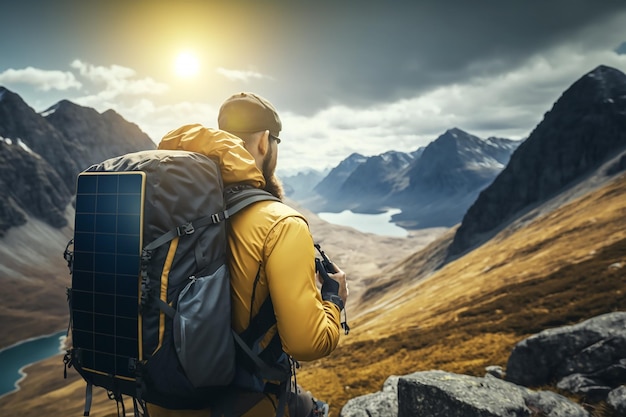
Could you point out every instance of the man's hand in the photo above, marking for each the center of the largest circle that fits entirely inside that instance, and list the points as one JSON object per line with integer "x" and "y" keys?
{"x": 340, "y": 277}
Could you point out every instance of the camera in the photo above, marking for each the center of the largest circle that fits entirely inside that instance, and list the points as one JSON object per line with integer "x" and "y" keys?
{"x": 324, "y": 264}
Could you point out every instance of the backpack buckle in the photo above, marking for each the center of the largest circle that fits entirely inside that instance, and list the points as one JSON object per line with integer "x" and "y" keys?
{"x": 185, "y": 229}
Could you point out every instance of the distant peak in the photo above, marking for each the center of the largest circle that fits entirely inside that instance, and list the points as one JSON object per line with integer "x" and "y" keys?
{"x": 603, "y": 69}
{"x": 456, "y": 134}
{"x": 456, "y": 131}
{"x": 6, "y": 94}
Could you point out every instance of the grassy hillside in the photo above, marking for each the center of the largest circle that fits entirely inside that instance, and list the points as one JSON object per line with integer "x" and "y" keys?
{"x": 564, "y": 267}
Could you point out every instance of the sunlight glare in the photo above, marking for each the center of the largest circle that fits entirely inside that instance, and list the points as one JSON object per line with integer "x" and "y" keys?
{"x": 186, "y": 64}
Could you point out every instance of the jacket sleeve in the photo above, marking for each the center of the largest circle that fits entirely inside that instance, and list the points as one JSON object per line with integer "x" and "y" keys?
{"x": 309, "y": 327}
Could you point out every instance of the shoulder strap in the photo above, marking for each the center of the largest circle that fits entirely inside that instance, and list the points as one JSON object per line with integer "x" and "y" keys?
{"x": 236, "y": 201}
{"x": 239, "y": 198}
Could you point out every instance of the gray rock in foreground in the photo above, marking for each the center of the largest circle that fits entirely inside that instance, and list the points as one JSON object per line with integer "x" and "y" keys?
{"x": 380, "y": 404}
{"x": 586, "y": 358}
{"x": 439, "y": 394}
{"x": 444, "y": 394}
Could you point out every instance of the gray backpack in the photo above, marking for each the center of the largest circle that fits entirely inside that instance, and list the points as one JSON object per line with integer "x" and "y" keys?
{"x": 150, "y": 296}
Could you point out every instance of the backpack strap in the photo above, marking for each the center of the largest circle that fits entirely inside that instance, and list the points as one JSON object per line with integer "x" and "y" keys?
{"x": 237, "y": 198}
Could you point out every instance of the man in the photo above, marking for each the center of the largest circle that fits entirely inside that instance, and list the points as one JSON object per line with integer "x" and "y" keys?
{"x": 271, "y": 260}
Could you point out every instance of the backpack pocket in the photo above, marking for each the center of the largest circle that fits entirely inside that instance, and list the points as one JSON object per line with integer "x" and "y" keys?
{"x": 202, "y": 330}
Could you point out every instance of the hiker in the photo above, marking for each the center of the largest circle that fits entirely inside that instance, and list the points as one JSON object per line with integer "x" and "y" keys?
{"x": 271, "y": 254}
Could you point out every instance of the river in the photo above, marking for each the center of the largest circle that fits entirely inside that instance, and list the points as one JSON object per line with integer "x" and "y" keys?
{"x": 14, "y": 358}
{"x": 379, "y": 224}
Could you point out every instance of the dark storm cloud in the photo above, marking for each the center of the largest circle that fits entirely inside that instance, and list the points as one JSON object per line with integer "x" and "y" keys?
{"x": 388, "y": 50}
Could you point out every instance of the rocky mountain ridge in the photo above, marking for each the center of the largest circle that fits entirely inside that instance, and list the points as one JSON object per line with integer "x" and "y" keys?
{"x": 41, "y": 154}
{"x": 584, "y": 128}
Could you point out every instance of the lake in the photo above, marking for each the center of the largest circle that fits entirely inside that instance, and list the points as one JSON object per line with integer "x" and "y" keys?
{"x": 14, "y": 358}
{"x": 379, "y": 224}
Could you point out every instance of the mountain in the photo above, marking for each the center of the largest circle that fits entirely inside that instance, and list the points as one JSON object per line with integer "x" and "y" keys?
{"x": 95, "y": 136}
{"x": 41, "y": 155}
{"x": 365, "y": 185}
{"x": 457, "y": 161}
{"x": 433, "y": 186}
{"x": 20, "y": 121}
{"x": 29, "y": 186}
{"x": 330, "y": 185}
{"x": 300, "y": 186}
{"x": 448, "y": 177}
{"x": 328, "y": 188}
{"x": 585, "y": 127}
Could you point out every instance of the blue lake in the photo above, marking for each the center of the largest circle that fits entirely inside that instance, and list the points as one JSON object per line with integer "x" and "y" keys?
{"x": 16, "y": 357}
{"x": 379, "y": 224}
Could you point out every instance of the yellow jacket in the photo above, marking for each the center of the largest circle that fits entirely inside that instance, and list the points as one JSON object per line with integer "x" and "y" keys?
{"x": 273, "y": 240}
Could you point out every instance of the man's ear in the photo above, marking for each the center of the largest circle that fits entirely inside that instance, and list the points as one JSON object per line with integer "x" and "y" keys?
{"x": 264, "y": 143}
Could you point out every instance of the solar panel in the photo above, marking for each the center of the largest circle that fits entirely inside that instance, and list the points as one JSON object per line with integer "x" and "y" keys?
{"x": 106, "y": 273}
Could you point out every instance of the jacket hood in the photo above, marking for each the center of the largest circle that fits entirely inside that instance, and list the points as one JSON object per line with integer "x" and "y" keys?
{"x": 236, "y": 163}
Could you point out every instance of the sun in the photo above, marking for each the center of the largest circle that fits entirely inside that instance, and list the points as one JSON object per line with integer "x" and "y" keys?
{"x": 186, "y": 64}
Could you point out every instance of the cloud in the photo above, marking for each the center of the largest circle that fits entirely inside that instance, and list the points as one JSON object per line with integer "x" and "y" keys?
{"x": 42, "y": 80}
{"x": 157, "y": 120}
{"x": 119, "y": 81}
{"x": 238, "y": 75}
{"x": 510, "y": 104}
{"x": 383, "y": 53}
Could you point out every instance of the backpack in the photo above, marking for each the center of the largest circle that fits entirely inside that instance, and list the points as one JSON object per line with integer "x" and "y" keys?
{"x": 149, "y": 302}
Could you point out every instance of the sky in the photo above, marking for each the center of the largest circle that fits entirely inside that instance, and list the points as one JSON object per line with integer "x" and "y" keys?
{"x": 346, "y": 76}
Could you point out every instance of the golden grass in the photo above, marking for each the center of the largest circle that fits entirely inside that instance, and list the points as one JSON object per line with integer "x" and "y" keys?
{"x": 561, "y": 269}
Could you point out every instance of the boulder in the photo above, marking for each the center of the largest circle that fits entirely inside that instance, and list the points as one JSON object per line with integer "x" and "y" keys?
{"x": 443, "y": 394}
{"x": 586, "y": 358}
{"x": 380, "y": 404}
{"x": 617, "y": 400}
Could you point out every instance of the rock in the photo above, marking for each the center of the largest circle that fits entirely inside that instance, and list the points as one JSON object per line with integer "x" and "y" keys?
{"x": 617, "y": 400}
{"x": 593, "y": 348}
{"x": 495, "y": 371}
{"x": 438, "y": 393}
{"x": 580, "y": 384}
{"x": 381, "y": 404}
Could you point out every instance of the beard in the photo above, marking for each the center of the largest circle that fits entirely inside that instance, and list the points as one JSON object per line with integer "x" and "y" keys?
{"x": 272, "y": 183}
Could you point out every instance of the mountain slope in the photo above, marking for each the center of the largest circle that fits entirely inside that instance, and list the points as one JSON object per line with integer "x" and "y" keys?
{"x": 586, "y": 126}
{"x": 29, "y": 186}
{"x": 562, "y": 268}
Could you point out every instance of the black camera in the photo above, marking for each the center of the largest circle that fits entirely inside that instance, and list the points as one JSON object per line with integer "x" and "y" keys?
{"x": 324, "y": 264}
